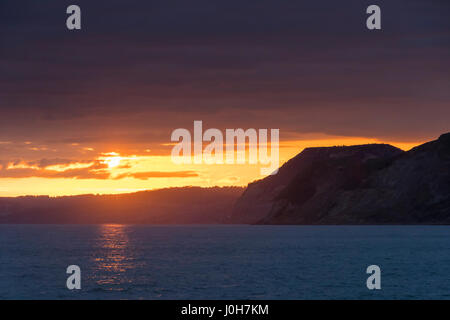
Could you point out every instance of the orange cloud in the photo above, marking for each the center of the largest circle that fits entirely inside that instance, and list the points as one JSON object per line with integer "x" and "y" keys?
{"x": 158, "y": 174}
{"x": 83, "y": 173}
{"x": 71, "y": 169}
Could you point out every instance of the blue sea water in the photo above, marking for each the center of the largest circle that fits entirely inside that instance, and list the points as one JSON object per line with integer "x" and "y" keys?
{"x": 224, "y": 262}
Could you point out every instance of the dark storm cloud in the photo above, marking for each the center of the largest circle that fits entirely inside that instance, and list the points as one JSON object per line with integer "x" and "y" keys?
{"x": 139, "y": 69}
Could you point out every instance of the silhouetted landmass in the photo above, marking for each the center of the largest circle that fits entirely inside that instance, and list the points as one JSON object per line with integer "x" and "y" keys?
{"x": 366, "y": 184}
{"x": 189, "y": 205}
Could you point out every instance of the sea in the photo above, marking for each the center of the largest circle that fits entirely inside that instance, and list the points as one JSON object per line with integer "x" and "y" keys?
{"x": 224, "y": 262}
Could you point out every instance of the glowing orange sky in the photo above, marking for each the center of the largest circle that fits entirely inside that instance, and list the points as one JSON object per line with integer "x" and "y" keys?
{"x": 92, "y": 111}
{"x": 113, "y": 172}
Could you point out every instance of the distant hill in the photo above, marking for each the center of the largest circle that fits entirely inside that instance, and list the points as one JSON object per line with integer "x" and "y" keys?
{"x": 366, "y": 184}
{"x": 188, "y": 205}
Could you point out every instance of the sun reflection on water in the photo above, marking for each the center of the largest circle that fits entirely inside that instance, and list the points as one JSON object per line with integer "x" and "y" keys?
{"x": 113, "y": 257}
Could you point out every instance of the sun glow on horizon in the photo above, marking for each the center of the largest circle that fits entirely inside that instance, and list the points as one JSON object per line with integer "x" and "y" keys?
{"x": 122, "y": 172}
{"x": 113, "y": 162}
{"x": 113, "y": 159}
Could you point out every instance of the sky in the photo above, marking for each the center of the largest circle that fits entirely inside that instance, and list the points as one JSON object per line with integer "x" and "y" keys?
{"x": 92, "y": 110}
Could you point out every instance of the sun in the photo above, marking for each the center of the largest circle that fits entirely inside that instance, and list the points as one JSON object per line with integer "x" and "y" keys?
{"x": 113, "y": 160}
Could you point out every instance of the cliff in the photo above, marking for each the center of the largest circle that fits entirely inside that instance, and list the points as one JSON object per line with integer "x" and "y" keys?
{"x": 366, "y": 184}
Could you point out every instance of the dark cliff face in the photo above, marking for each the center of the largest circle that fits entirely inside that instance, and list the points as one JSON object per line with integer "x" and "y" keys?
{"x": 367, "y": 184}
